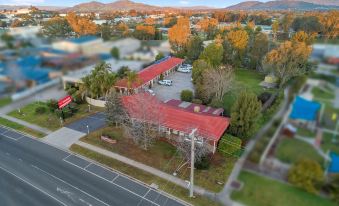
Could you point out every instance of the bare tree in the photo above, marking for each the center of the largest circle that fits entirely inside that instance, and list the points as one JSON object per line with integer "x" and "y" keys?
{"x": 218, "y": 82}
{"x": 115, "y": 112}
{"x": 143, "y": 120}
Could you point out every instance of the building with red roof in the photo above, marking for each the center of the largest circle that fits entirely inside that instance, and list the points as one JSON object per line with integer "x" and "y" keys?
{"x": 175, "y": 121}
{"x": 151, "y": 74}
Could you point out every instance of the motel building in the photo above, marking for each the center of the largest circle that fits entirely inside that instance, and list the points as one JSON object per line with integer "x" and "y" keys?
{"x": 150, "y": 75}
{"x": 175, "y": 122}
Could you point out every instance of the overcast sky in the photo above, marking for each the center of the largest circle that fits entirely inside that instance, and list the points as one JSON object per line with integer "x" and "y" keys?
{"x": 213, "y": 3}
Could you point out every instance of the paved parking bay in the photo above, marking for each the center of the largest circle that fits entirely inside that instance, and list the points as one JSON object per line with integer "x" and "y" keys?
{"x": 94, "y": 122}
{"x": 180, "y": 80}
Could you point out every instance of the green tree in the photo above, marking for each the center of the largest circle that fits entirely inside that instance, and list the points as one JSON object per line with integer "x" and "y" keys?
{"x": 100, "y": 81}
{"x": 244, "y": 115}
{"x": 194, "y": 48}
{"x": 132, "y": 77}
{"x": 56, "y": 27}
{"x": 331, "y": 187}
{"x": 159, "y": 56}
{"x": 308, "y": 24}
{"x": 122, "y": 72}
{"x": 8, "y": 39}
{"x": 306, "y": 174}
{"x": 115, "y": 113}
{"x": 186, "y": 95}
{"x": 213, "y": 54}
{"x": 258, "y": 50}
{"x": 106, "y": 31}
{"x": 115, "y": 53}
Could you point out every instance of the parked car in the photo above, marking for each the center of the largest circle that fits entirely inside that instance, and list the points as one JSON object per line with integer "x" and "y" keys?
{"x": 165, "y": 82}
{"x": 184, "y": 69}
{"x": 188, "y": 66}
{"x": 151, "y": 92}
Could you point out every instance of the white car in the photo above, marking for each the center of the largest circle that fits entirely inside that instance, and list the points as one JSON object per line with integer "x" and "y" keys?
{"x": 188, "y": 66}
{"x": 151, "y": 92}
{"x": 165, "y": 82}
{"x": 184, "y": 69}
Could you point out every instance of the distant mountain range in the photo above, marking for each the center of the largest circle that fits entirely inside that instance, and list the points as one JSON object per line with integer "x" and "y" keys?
{"x": 126, "y": 5}
{"x": 282, "y": 5}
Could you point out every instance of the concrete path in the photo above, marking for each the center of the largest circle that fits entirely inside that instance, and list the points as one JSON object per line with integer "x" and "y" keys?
{"x": 26, "y": 124}
{"x": 144, "y": 167}
{"x": 336, "y": 100}
{"x": 64, "y": 137}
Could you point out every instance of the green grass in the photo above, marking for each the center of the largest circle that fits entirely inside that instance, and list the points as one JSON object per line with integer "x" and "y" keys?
{"x": 322, "y": 94}
{"x": 327, "y": 143}
{"x": 290, "y": 150}
{"x": 144, "y": 177}
{"x": 261, "y": 191}
{"x": 20, "y": 127}
{"x": 305, "y": 133}
{"x": 163, "y": 156}
{"x": 5, "y": 101}
{"x": 49, "y": 119}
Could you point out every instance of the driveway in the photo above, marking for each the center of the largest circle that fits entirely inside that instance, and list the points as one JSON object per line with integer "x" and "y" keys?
{"x": 180, "y": 80}
{"x": 94, "y": 122}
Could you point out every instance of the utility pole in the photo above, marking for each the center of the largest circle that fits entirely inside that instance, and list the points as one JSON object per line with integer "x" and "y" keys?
{"x": 192, "y": 162}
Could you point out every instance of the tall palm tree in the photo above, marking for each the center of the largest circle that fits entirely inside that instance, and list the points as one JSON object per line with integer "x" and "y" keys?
{"x": 132, "y": 77}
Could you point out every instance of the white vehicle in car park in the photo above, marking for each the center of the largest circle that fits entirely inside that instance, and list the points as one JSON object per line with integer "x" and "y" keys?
{"x": 184, "y": 69}
{"x": 188, "y": 66}
{"x": 165, "y": 82}
{"x": 151, "y": 92}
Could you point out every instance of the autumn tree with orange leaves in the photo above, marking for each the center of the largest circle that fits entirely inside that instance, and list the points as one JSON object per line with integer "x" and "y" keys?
{"x": 330, "y": 24}
{"x": 206, "y": 23}
{"x": 81, "y": 25}
{"x": 302, "y": 36}
{"x": 179, "y": 34}
{"x": 149, "y": 21}
{"x": 144, "y": 32}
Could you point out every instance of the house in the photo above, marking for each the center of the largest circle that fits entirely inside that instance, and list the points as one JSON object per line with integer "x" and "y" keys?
{"x": 150, "y": 75}
{"x": 77, "y": 45}
{"x": 176, "y": 123}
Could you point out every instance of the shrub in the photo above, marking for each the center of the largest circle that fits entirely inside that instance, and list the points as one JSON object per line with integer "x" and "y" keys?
{"x": 186, "y": 95}
{"x": 52, "y": 104}
{"x": 263, "y": 97}
{"x": 40, "y": 110}
{"x": 115, "y": 52}
{"x": 203, "y": 164}
{"x": 306, "y": 174}
{"x": 197, "y": 101}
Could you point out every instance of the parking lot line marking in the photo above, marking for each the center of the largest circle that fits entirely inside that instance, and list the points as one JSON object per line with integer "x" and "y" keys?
{"x": 70, "y": 185}
{"x": 115, "y": 178}
{"x": 67, "y": 157}
{"x": 44, "y": 192}
{"x": 15, "y": 139}
{"x": 87, "y": 166}
{"x": 112, "y": 182}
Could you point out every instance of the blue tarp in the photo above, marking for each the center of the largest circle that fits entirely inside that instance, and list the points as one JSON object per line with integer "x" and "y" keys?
{"x": 334, "y": 166}
{"x": 82, "y": 39}
{"x": 304, "y": 109}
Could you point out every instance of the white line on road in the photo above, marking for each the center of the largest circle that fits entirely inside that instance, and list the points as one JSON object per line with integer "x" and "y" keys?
{"x": 44, "y": 192}
{"x": 70, "y": 185}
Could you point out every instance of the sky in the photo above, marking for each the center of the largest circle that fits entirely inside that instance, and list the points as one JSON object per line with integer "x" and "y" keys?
{"x": 212, "y": 3}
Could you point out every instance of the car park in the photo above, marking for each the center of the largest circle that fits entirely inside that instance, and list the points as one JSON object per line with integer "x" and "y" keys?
{"x": 151, "y": 92}
{"x": 165, "y": 82}
{"x": 184, "y": 69}
{"x": 188, "y": 66}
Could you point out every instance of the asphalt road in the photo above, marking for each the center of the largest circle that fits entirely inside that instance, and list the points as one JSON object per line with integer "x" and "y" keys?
{"x": 34, "y": 173}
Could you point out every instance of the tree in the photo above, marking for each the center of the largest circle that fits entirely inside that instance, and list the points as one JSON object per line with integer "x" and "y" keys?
{"x": 286, "y": 22}
{"x": 57, "y": 27}
{"x": 303, "y": 37}
{"x": 81, "y": 25}
{"x": 149, "y": 21}
{"x": 132, "y": 77}
{"x": 244, "y": 115}
{"x": 17, "y": 23}
{"x": 217, "y": 82}
{"x": 306, "y": 174}
{"x": 186, "y": 95}
{"x": 208, "y": 25}
{"x": 100, "y": 81}
{"x": 8, "y": 39}
{"x": 179, "y": 34}
{"x": 143, "y": 119}
{"x": 308, "y": 24}
{"x": 194, "y": 48}
{"x": 275, "y": 29}
{"x": 329, "y": 22}
{"x": 115, "y": 52}
{"x": 288, "y": 60}
{"x": 122, "y": 72}
{"x": 121, "y": 30}
{"x": 331, "y": 187}
{"x": 115, "y": 112}
{"x": 238, "y": 39}
{"x": 159, "y": 56}
{"x": 106, "y": 31}
{"x": 213, "y": 54}
{"x": 258, "y": 50}
{"x": 144, "y": 32}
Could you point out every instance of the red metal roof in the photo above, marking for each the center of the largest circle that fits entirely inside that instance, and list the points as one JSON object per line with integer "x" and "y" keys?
{"x": 146, "y": 107}
{"x": 152, "y": 71}
{"x": 188, "y": 106}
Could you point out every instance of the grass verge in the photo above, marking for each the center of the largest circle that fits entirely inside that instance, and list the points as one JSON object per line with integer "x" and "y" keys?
{"x": 20, "y": 127}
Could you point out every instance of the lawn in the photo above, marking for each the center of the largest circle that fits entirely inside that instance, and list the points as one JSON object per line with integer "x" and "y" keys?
{"x": 305, "y": 133}
{"x": 327, "y": 121}
{"x": 163, "y": 156}
{"x": 49, "y": 119}
{"x": 144, "y": 177}
{"x": 20, "y": 127}
{"x": 327, "y": 143}
{"x": 261, "y": 191}
{"x": 290, "y": 150}
{"x": 5, "y": 101}
{"x": 322, "y": 94}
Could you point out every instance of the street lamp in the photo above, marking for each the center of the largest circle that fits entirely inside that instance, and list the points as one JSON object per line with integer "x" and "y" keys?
{"x": 87, "y": 129}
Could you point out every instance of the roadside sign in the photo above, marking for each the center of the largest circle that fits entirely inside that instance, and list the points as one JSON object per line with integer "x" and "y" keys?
{"x": 64, "y": 101}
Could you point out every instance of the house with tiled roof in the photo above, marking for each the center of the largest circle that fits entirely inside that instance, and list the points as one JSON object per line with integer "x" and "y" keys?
{"x": 148, "y": 76}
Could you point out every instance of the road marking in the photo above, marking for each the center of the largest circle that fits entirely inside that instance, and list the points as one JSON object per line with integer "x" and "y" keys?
{"x": 144, "y": 196}
{"x": 67, "y": 157}
{"x": 15, "y": 139}
{"x": 69, "y": 184}
{"x": 44, "y": 192}
{"x": 87, "y": 166}
{"x": 112, "y": 182}
{"x": 115, "y": 178}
